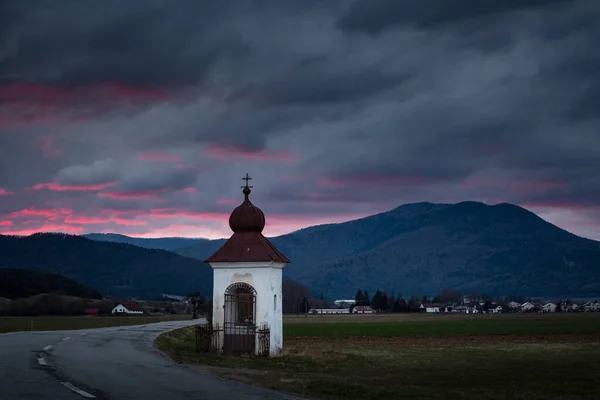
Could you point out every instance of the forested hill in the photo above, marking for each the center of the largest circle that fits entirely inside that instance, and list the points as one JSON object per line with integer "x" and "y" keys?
{"x": 423, "y": 248}
{"x": 21, "y": 283}
{"x": 112, "y": 268}
{"x": 168, "y": 243}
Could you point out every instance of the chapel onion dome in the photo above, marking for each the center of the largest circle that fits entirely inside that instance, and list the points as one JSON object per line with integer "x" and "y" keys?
{"x": 247, "y": 217}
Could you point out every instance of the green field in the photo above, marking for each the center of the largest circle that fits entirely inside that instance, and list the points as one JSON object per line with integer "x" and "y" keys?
{"x": 486, "y": 325}
{"x": 16, "y": 324}
{"x": 483, "y": 357}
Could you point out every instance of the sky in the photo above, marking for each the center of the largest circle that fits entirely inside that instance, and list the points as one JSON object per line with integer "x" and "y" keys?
{"x": 141, "y": 117}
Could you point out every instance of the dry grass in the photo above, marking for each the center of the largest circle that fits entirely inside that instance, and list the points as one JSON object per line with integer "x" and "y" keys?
{"x": 548, "y": 360}
{"x": 17, "y": 324}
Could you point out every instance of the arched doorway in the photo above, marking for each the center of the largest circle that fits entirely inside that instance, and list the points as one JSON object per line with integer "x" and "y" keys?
{"x": 240, "y": 322}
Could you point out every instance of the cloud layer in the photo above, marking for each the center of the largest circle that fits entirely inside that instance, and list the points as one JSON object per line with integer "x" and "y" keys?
{"x": 141, "y": 117}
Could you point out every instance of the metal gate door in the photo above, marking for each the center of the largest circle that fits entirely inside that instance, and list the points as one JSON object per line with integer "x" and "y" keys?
{"x": 240, "y": 326}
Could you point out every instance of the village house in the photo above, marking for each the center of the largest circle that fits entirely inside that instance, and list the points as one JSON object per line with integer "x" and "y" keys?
{"x": 549, "y": 307}
{"x": 362, "y": 310}
{"x": 527, "y": 306}
{"x": 434, "y": 308}
{"x": 129, "y": 307}
{"x": 513, "y": 305}
{"x": 591, "y": 306}
{"x": 570, "y": 307}
{"x": 495, "y": 309}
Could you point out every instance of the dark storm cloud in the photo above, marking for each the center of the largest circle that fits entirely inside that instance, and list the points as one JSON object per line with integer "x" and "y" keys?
{"x": 318, "y": 80}
{"x": 439, "y": 101}
{"x": 377, "y": 16}
{"x": 139, "y": 42}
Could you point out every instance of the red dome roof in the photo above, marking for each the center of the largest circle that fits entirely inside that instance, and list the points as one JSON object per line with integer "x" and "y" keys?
{"x": 247, "y": 217}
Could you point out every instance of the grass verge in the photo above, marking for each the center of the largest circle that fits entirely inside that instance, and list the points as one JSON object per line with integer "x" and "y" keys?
{"x": 17, "y": 324}
{"x": 444, "y": 362}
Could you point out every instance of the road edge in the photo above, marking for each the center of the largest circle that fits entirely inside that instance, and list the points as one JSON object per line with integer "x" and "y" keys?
{"x": 151, "y": 339}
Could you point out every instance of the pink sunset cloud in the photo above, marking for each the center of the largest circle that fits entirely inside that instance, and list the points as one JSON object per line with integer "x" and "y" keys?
{"x": 142, "y": 194}
{"x": 159, "y": 157}
{"x": 30, "y": 104}
{"x": 4, "y": 192}
{"x": 228, "y": 152}
{"x": 99, "y": 220}
{"x": 46, "y": 228}
{"x": 46, "y": 213}
{"x": 228, "y": 202}
{"x": 74, "y": 188}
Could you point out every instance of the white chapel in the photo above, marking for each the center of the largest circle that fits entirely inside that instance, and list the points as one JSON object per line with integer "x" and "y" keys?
{"x": 247, "y": 285}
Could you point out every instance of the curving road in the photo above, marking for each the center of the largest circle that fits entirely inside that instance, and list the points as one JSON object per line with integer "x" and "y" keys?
{"x": 107, "y": 364}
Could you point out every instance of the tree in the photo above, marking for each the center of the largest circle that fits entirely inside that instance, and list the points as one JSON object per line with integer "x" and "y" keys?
{"x": 385, "y": 302}
{"x": 358, "y": 298}
{"x": 400, "y": 305}
{"x": 195, "y": 299}
{"x": 304, "y": 305}
{"x": 366, "y": 299}
{"x": 377, "y": 303}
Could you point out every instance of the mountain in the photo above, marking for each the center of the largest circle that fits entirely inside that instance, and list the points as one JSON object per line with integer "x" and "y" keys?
{"x": 20, "y": 283}
{"x": 112, "y": 268}
{"x": 422, "y": 248}
{"x": 169, "y": 243}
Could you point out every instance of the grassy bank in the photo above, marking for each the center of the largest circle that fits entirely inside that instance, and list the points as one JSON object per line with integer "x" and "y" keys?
{"x": 539, "y": 358}
{"x": 16, "y": 324}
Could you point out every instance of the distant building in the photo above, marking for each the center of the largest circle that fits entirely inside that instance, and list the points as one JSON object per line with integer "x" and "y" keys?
{"x": 344, "y": 303}
{"x": 128, "y": 308}
{"x": 435, "y": 307}
{"x": 591, "y": 306}
{"x": 527, "y": 306}
{"x": 549, "y": 307}
{"x": 495, "y": 309}
{"x": 329, "y": 311}
{"x": 91, "y": 311}
{"x": 362, "y": 310}
{"x": 513, "y": 305}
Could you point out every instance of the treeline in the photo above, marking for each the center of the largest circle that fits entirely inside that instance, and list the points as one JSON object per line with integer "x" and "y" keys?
{"x": 52, "y": 304}
{"x": 381, "y": 301}
{"x": 23, "y": 283}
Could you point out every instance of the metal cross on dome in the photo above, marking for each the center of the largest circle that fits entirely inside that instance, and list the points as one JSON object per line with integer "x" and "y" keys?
{"x": 247, "y": 179}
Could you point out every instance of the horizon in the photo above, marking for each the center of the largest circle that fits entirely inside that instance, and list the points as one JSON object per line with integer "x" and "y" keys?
{"x": 337, "y": 110}
{"x": 286, "y": 233}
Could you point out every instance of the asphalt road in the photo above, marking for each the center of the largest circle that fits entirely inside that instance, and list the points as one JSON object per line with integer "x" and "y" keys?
{"x": 107, "y": 364}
